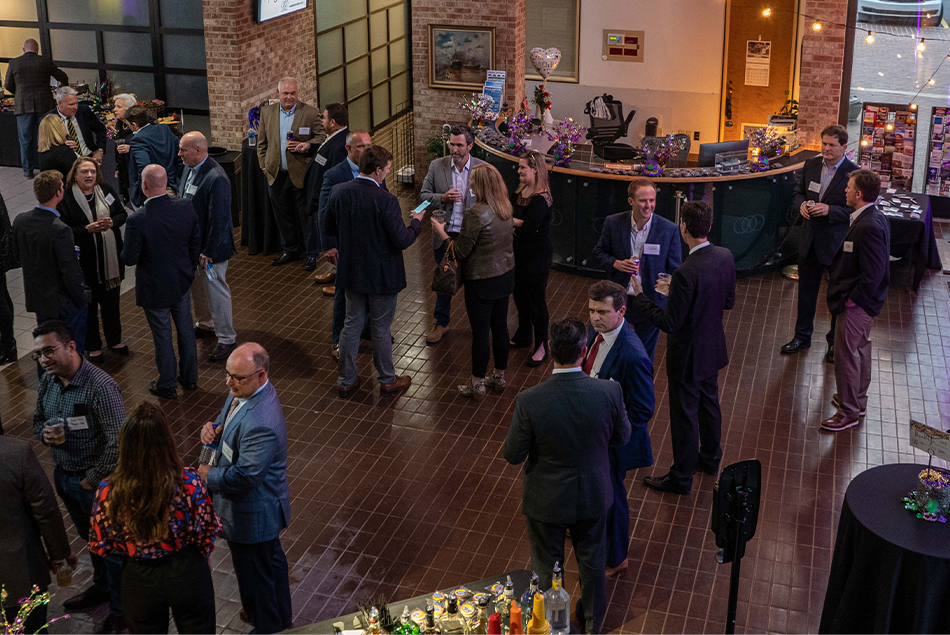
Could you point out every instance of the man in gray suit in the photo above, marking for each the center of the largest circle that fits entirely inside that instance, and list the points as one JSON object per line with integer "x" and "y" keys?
{"x": 565, "y": 427}
{"x": 32, "y": 534}
{"x": 446, "y": 187}
{"x": 28, "y": 78}
{"x": 249, "y": 487}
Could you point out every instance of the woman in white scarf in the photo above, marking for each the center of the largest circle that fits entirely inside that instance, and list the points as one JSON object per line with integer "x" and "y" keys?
{"x": 95, "y": 213}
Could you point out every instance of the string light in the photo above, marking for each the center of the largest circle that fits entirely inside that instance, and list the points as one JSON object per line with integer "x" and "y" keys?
{"x": 864, "y": 142}
{"x": 913, "y": 106}
{"x": 889, "y": 126}
{"x": 932, "y": 81}
{"x": 767, "y": 11}
{"x": 870, "y": 38}
{"x": 816, "y": 26}
{"x": 921, "y": 46}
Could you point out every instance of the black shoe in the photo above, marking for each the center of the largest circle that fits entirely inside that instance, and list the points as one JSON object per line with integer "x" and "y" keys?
{"x": 187, "y": 385}
{"x": 87, "y": 599}
{"x": 284, "y": 259}
{"x": 310, "y": 264}
{"x": 830, "y": 355}
{"x": 8, "y": 356}
{"x": 532, "y": 363}
{"x": 221, "y": 351}
{"x": 164, "y": 393}
{"x": 113, "y": 624}
{"x": 794, "y": 346}
{"x": 708, "y": 469}
{"x": 95, "y": 359}
{"x": 123, "y": 351}
{"x": 200, "y": 332}
{"x": 665, "y": 483}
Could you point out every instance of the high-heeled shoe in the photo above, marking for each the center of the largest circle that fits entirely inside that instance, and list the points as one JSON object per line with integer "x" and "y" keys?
{"x": 122, "y": 350}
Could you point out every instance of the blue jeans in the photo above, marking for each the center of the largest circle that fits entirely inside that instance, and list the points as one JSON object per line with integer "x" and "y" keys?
{"x": 443, "y": 302}
{"x": 107, "y": 571}
{"x": 27, "y": 130}
{"x": 75, "y": 320}
{"x": 160, "y": 322}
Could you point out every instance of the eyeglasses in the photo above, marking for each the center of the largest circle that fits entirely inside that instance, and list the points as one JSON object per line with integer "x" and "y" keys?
{"x": 238, "y": 378}
{"x": 44, "y": 352}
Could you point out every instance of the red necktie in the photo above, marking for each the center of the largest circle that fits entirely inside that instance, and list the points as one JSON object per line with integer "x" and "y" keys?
{"x": 592, "y": 354}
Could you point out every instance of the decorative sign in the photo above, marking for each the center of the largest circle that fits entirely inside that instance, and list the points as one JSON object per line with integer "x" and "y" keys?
{"x": 931, "y": 440}
{"x": 888, "y": 134}
{"x": 758, "y": 56}
{"x": 270, "y": 9}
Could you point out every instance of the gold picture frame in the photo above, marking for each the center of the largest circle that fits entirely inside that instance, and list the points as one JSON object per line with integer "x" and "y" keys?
{"x": 460, "y": 57}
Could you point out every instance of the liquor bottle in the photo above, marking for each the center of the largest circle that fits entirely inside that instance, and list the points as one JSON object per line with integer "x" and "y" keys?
{"x": 538, "y": 625}
{"x": 480, "y": 623}
{"x": 374, "y": 628}
{"x": 503, "y": 605}
{"x": 406, "y": 626}
{"x": 429, "y": 627}
{"x": 557, "y": 604}
{"x": 516, "y": 623}
{"x": 452, "y": 621}
{"x": 527, "y": 600}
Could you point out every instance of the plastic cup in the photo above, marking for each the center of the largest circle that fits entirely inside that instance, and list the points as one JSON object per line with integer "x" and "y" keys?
{"x": 57, "y": 431}
{"x": 663, "y": 283}
{"x": 439, "y": 215}
{"x": 64, "y": 574}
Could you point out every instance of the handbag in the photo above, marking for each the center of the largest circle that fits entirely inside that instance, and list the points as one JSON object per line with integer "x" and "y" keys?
{"x": 447, "y": 278}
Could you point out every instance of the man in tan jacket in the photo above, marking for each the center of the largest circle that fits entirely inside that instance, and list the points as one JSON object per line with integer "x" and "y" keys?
{"x": 289, "y": 134}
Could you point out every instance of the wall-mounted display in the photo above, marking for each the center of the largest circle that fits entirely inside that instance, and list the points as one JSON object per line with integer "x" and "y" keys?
{"x": 888, "y": 134}
{"x": 460, "y": 57}
{"x": 938, "y": 154}
{"x": 270, "y": 9}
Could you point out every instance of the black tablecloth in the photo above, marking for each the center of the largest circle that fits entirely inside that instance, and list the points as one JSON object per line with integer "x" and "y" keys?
{"x": 913, "y": 240}
{"x": 9, "y": 140}
{"x": 891, "y": 570}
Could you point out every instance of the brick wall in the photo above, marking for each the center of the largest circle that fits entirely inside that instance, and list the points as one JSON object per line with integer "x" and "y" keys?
{"x": 821, "y": 69}
{"x": 247, "y": 59}
{"x": 433, "y": 107}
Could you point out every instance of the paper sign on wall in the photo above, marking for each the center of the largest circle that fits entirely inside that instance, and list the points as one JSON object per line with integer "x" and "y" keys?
{"x": 758, "y": 55}
{"x": 931, "y": 440}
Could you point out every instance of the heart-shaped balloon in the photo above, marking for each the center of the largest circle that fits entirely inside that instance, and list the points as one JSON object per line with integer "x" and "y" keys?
{"x": 545, "y": 60}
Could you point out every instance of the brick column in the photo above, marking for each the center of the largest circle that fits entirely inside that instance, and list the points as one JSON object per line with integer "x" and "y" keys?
{"x": 246, "y": 60}
{"x": 433, "y": 107}
{"x": 821, "y": 69}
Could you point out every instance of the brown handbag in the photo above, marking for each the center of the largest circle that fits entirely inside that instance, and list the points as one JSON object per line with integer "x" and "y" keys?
{"x": 447, "y": 278}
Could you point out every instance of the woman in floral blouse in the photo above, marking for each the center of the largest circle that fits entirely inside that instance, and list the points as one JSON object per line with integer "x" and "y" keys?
{"x": 158, "y": 515}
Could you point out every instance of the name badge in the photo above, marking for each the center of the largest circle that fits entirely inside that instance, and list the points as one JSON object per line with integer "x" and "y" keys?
{"x": 651, "y": 250}
{"x": 191, "y": 190}
{"x": 77, "y": 423}
{"x": 226, "y": 451}
{"x": 471, "y": 193}
{"x": 321, "y": 160}
{"x": 303, "y": 131}
{"x": 814, "y": 186}
{"x": 110, "y": 199}
{"x": 848, "y": 247}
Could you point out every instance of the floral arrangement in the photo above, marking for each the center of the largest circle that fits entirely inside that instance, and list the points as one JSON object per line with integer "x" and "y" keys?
{"x": 768, "y": 142}
{"x": 565, "y": 135}
{"x": 27, "y": 605}
{"x": 656, "y": 152}
{"x": 479, "y": 107}
{"x": 542, "y": 99}
{"x": 254, "y": 116}
{"x": 519, "y": 128}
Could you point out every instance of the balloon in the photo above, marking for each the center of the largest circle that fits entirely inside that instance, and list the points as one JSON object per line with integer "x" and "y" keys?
{"x": 545, "y": 60}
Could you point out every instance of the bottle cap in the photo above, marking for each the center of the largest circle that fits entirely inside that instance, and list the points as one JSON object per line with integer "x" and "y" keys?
{"x": 557, "y": 568}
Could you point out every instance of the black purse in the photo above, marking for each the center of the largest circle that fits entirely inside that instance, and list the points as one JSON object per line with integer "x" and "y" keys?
{"x": 447, "y": 278}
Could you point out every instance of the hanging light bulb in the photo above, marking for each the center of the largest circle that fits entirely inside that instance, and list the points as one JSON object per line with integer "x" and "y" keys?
{"x": 864, "y": 142}
{"x": 870, "y": 38}
{"x": 913, "y": 106}
{"x": 932, "y": 81}
{"x": 889, "y": 127}
{"x": 921, "y": 46}
{"x": 767, "y": 11}
{"x": 816, "y": 26}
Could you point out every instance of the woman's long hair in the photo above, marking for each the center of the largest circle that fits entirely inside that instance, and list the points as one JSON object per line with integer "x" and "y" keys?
{"x": 148, "y": 474}
{"x": 51, "y": 133}
{"x": 489, "y": 188}
{"x": 535, "y": 161}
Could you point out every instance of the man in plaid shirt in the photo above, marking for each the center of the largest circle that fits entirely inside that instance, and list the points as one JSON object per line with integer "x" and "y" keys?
{"x": 88, "y": 404}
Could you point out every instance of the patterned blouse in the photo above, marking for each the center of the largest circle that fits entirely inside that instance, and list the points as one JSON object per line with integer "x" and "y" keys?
{"x": 192, "y": 521}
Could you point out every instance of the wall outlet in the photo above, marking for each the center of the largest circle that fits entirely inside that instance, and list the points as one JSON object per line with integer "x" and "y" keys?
{"x": 696, "y": 136}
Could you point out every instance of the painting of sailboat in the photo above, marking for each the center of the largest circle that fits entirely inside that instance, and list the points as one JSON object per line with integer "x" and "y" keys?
{"x": 459, "y": 57}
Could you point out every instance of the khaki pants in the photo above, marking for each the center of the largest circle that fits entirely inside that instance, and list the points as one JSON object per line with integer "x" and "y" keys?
{"x": 853, "y": 359}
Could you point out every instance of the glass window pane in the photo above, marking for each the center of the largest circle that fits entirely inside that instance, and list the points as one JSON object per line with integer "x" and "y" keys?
{"x": 142, "y": 85}
{"x": 186, "y": 91}
{"x": 124, "y": 12}
{"x": 331, "y": 88}
{"x": 12, "y": 39}
{"x": 357, "y": 42}
{"x": 331, "y": 13}
{"x": 88, "y": 76}
{"x": 74, "y": 46}
{"x": 398, "y": 58}
{"x": 379, "y": 4}
{"x": 552, "y": 21}
{"x": 397, "y": 21}
{"x": 359, "y": 113}
{"x": 377, "y": 29}
{"x": 400, "y": 92}
{"x": 184, "y": 51}
{"x": 357, "y": 78}
{"x": 380, "y": 66}
{"x": 18, "y": 10}
{"x": 182, "y": 14}
{"x": 330, "y": 50}
{"x": 127, "y": 48}
{"x": 380, "y": 104}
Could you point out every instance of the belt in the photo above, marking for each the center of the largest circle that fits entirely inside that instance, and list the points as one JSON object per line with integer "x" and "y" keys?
{"x": 80, "y": 473}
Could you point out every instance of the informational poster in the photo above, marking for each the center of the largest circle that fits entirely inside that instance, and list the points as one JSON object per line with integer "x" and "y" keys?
{"x": 938, "y": 155}
{"x": 270, "y": 9}
{"x": 758, "y": 55}
{"x": 888, "y": 135}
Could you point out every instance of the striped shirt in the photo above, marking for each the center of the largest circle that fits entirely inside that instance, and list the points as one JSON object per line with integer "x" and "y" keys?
{"x": 92, "y": 443}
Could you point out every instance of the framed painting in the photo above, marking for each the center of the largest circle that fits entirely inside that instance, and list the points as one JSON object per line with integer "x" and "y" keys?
{"x": 460, "y": 57}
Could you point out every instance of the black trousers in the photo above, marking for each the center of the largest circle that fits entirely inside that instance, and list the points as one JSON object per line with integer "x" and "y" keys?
{"x": 589, "y": 538}
{"x": 809, "y": 285}
{"x": 530, "y": 295}
{"x": 7, "y": 337}
{"x": 263, "y": 584}
{"x": 488, "y": 315}
{"x": 289, "y": 211}
{"x": 106, "y": 301}
{"x": 695, "y": 427}
{"x": 618, "y": 520}
{"x": 180, "y": 582}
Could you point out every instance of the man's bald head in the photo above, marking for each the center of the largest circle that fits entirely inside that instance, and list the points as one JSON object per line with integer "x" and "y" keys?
{"x": 193, "y": 148}
{"x": 31, "y": 45}
{"x": 154, "y": 180}
{"x": 247, "y": 368}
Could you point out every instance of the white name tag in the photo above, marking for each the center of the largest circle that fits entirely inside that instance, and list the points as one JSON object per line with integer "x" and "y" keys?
{"x": 226, "y": 451}
{"x": 303, "y": 131}
{"x": 321, "y": 160}
{"x": 471, "y": 193}
{"x": 848, "y": 247}
{"x": 814, "y": 186}
{"x": 110, "y": 199}
{"x": 77, "y": 423}
{"x": 191, "y": 190}
{"x": 651, "y": 250}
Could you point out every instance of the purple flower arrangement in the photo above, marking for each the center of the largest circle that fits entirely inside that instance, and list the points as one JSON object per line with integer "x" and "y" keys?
{"x": 565, "y": 135}
{"x": 479, "y": 108}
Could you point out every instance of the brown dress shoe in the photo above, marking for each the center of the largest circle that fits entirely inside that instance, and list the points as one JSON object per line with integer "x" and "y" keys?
{"x": 325, "y": 278}
{"x": 436, "y": 333}
{"x": 244, "y": 617}
{"x": 400, "y": 383}
{"x": 620, "y": 567}
{"x": 329, "y": 291}
{"x": 350, "y": 390}
{"x": 838, "y": 422}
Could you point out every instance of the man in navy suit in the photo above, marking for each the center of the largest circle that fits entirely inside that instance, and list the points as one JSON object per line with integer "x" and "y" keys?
{"x": 248, "y": 484}
{"x": 85, "y": 134}
{"x": 330, "y": 154}
{"x": 616, "y": 353}
{"x": 206, "y": 185}
{"x": 639, "y": 245}
{"x": 821, "y": 201}
{"x": 151, "y": 143}
{"x": 164, "y": 239}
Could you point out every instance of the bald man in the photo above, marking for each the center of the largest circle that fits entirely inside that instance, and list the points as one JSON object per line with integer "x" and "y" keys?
{"x": 163, "y": 240}
{"x": 28, "y": 78}
{"x": 249, "y": 486}
{"x": 205, "y": 184}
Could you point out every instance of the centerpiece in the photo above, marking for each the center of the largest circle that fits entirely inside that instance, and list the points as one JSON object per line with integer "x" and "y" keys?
{"x": 544, "y": 61}
{"x": 565, "y": 135}
{"x": 658, "y": 151}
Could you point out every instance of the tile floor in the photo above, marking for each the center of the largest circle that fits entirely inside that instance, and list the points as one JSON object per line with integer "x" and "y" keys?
{"x": 402, "y": 495}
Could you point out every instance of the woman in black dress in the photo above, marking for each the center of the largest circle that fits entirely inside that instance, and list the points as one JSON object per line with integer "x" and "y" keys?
{"x": 54, "y": 153}
{"x": 533, "y": 209}
{"x": 122, "y": 136}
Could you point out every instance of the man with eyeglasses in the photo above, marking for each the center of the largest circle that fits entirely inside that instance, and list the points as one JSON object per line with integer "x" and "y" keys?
{"x": 249, "y": 486}
{"x": 81, "y": 401}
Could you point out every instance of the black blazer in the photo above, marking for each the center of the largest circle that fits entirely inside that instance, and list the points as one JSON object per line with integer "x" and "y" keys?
{"x": 28, "y": 80}
{"x": 212, "y": 202}
{"x": 823, "y": 235}
{"x": 155, "y": 143}
{"x": 93, "y": 131}
{"x": 164, "y": 240}
{"x": 371, "y": 234}
{"x": 701, "y": 289}
{"x": 563, "y": 430}
{"x": 331, "y": 153}
{"x": 59, "y": 158}
{"x": 861, "y": 270}
{"x": 52, "y": 279}
{"x": 339, "y": 173}
{"x": 71, "y": 214}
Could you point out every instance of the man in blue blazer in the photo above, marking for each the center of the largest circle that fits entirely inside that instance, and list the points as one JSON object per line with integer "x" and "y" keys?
{"x": 163, "y": 238}
{"x": 206, "y": 185}
{"x": 615, "y": 353}
{"x": 151, "y": 143}
{"x": 249, "y": 486}
{"x": 639, "y": 235}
